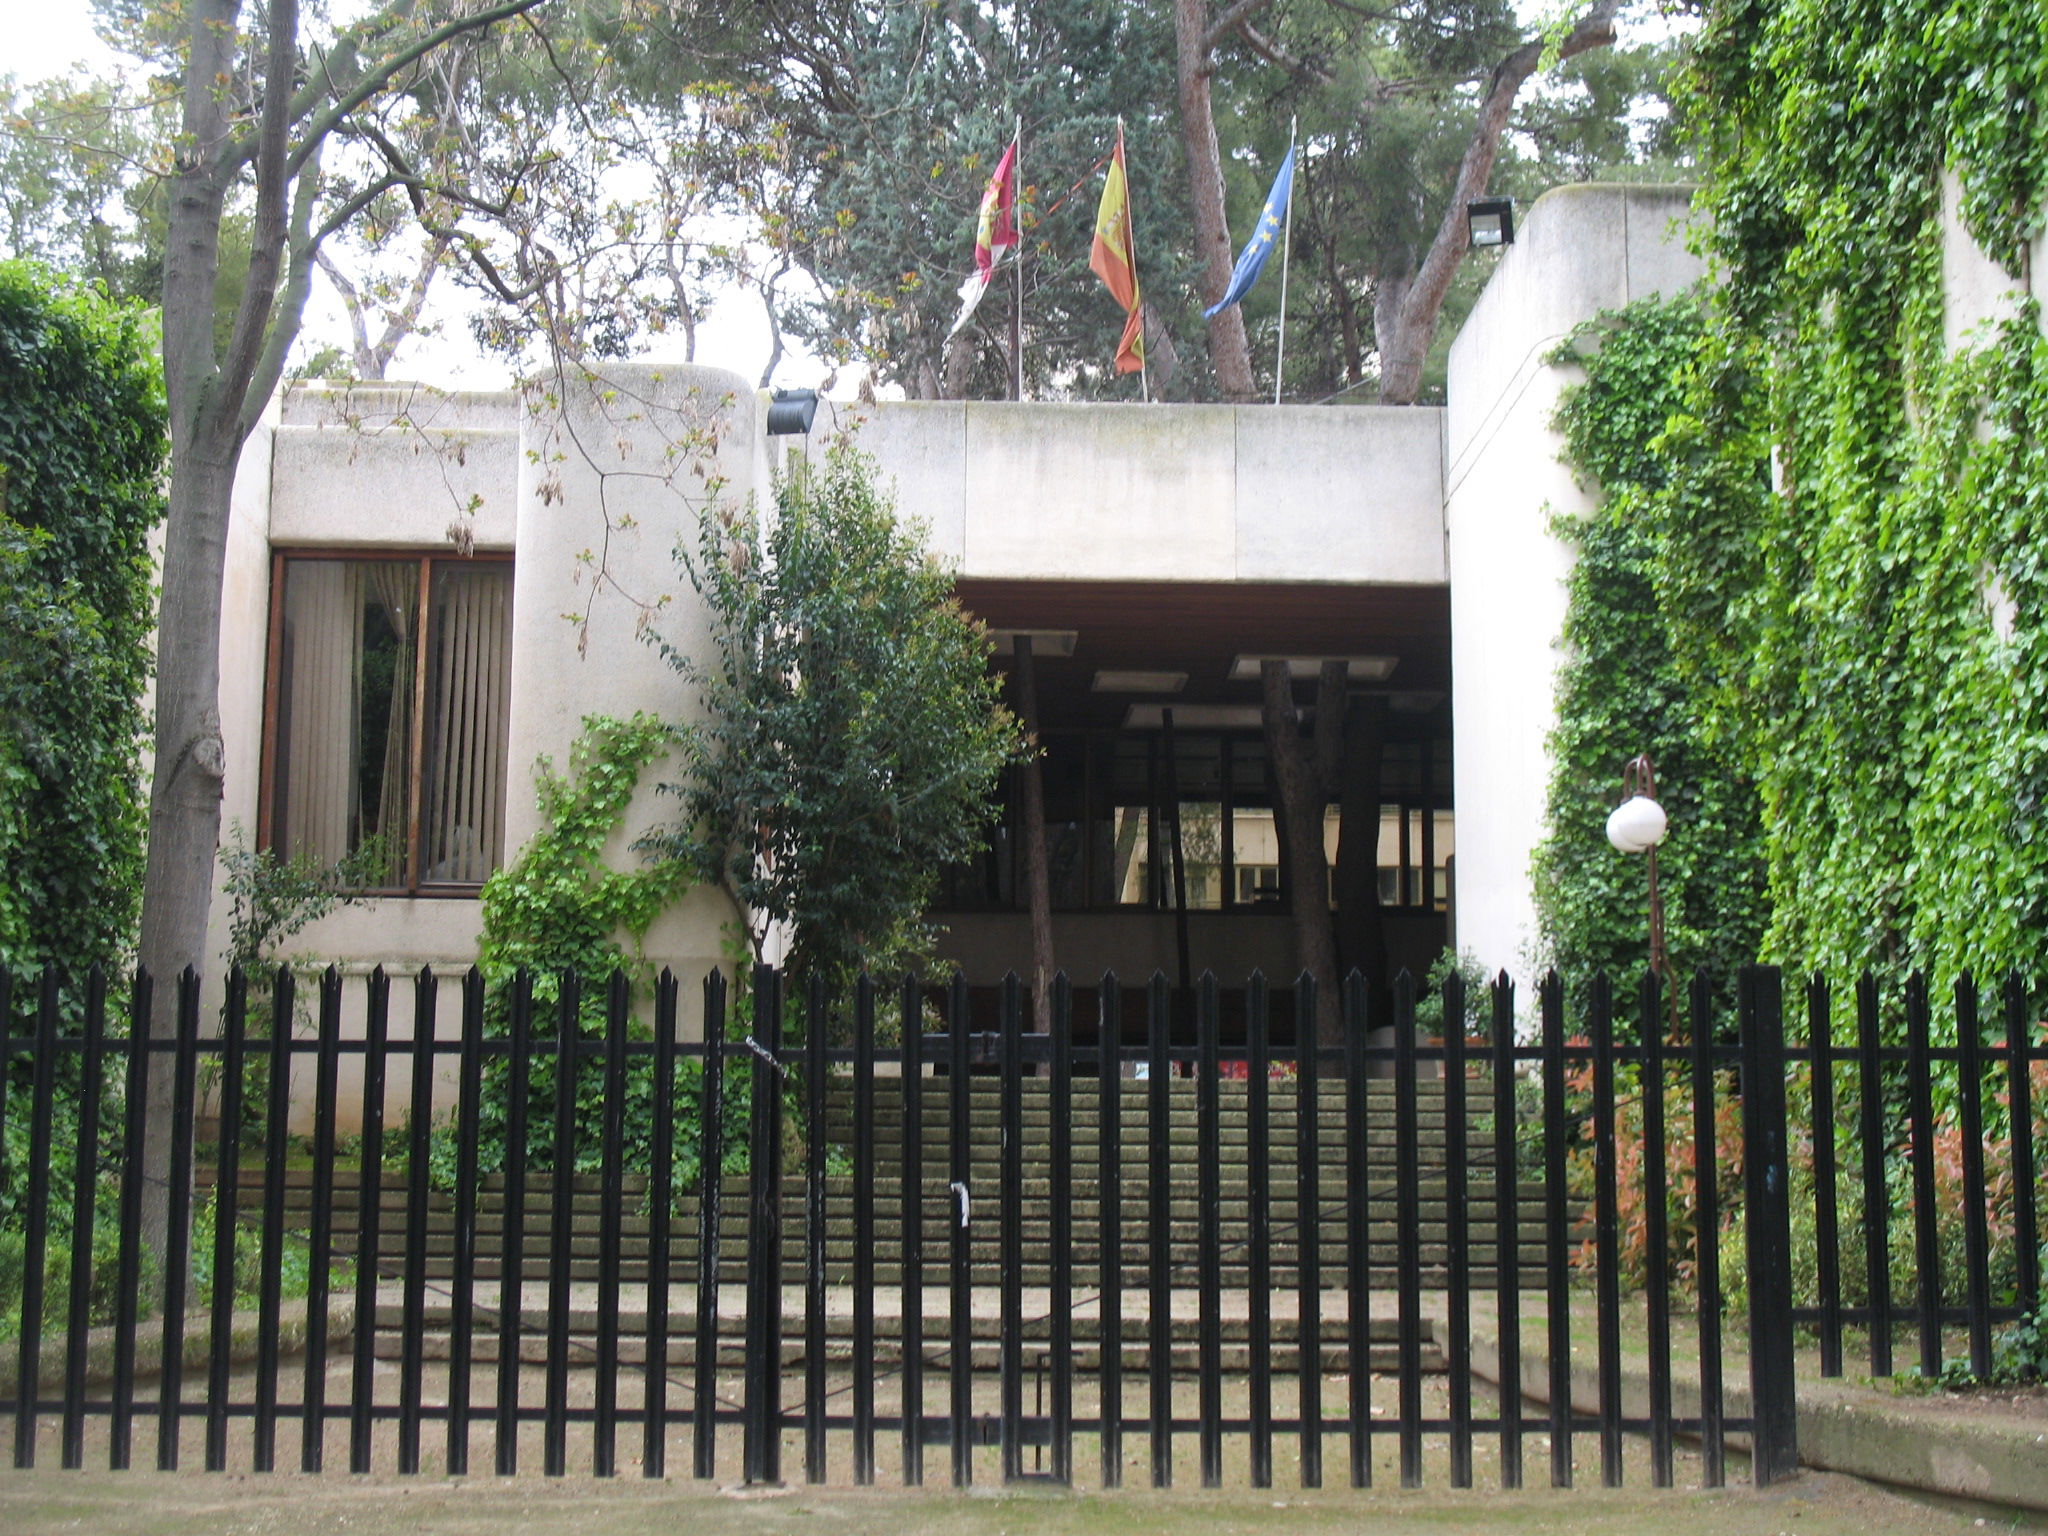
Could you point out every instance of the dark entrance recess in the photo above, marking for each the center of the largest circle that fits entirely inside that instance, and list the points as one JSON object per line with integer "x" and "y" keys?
{"x": 1163, "y": 843}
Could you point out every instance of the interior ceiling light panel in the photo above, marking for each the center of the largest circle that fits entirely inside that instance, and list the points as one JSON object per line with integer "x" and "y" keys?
{"x": 1360, "y": 669}
{"x": 1109, "y": 680}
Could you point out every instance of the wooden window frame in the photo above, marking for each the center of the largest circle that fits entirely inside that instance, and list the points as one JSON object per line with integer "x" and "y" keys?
{"x": 266, "y": 794}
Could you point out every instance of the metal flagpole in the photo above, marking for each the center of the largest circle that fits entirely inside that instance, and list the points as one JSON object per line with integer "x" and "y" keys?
{"x": 1131, "y": 231}
{"x": 1017, "y": 265}
{"x": 1286, "y": 251}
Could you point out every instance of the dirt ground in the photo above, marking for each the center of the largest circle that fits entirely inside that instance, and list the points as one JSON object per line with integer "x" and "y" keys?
{"x": 42, "y": 1503}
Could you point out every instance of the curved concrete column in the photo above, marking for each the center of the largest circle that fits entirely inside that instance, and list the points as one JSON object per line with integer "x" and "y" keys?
{"x": 615, "y": 467}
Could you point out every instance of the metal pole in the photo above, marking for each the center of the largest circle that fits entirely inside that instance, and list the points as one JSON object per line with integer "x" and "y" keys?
{"x": 1131, "y": 230}
{"x": 1286, "y": 252}
{"x": 1017, "y": 266}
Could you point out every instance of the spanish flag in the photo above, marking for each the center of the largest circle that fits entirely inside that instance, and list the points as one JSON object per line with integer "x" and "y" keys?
{"x": 1113, "y": 258}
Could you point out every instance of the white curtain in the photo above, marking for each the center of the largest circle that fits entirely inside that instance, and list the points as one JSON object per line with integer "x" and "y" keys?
{"x": 462, "y": 828}
{"x": 349, "y": 625}
{"x": 315, "y": 771}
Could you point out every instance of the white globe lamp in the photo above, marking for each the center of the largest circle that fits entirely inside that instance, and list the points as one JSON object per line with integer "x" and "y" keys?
{"x": 1637, "y": 824}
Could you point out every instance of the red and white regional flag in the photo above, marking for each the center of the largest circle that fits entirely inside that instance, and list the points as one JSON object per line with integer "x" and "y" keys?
{"x": 994, "y": 233}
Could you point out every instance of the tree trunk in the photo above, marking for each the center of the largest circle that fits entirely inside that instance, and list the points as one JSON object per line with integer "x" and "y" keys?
{"x": 185, "y": 793}
{"x": 1037, "y": 878}
{"x": 1404, "y": 345}
{"x": 1361, "y": 930}
{"x": 1229, "y": 353}
{"x": 1308, "y": 867}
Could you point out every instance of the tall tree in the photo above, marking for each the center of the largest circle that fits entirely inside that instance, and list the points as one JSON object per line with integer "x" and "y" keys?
{"x": 260, "y": 110}
{"x": 1405, "y": 110}
{"x": 895, "y": 134}
{"x": 852, "y": 729}
{"x": 1197, "y": 35}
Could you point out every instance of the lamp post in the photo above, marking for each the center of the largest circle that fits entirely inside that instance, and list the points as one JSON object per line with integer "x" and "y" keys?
{"x": 1638, "y": 825}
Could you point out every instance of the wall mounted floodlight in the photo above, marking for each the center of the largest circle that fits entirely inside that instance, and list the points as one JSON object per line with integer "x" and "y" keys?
{"x": 1491, "y": 221}
{"x": 790, "y": 412}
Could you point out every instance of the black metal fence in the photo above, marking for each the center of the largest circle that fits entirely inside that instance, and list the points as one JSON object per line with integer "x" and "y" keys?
{"x": 1240, "y": 1242}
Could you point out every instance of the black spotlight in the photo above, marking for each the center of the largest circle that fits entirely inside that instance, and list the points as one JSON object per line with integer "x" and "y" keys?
{"x": 790, "y": 412}
{"x": 1491, "y": 221}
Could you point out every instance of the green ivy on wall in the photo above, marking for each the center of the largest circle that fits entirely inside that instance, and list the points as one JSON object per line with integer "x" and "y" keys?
{"x": 1871, "y": 639}
{"x": 558, "y": 909}
{"x": 1620, "y": 690}
{"x": 82, "y": 445}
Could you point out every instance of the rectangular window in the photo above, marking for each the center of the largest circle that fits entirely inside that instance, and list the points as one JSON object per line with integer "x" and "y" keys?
{"x": 386, "y": 715}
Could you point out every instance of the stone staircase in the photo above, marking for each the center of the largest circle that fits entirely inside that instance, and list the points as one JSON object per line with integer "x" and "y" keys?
{"x": 1131, "y": 1193}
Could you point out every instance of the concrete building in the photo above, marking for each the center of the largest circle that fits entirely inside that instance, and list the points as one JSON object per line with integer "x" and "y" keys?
{"x": 427, "y": 593}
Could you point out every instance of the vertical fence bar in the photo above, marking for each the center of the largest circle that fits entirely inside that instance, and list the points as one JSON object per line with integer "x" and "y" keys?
{"x": 611, "y": 1218}
{"x": 1408, "y": 1230}
{"x": 1159, "y": 1225}
{"x": 178, "y": 1238}
{"x": 1656, "y": 1228}
{"x": 369, "y": 1209}
{"x": 1209, "y": 1231}
{"x": 1308, "y": 1200}
{"x": 762, "y": 1439}
{"x": 1826, "y": 1216}
{"x": 84, "y": 1188}
{"x": 864, "y": 1232}
{"x": 912, "y": 1198}
{"x": 6, "y": 1042}
{"x": 1767, "y": 1226}
{"x": 512, "y": 1228}
{"x": 1926, "y": 1233}
{"x": 815, "y": 1050}
{"x": 1062, "y": 1300}
{"x": 1507, "y": 1241}
{"x": 710, "y": 1189}
{"x": 1109, "y": 1213}
{"x": 1357, "y": 1232}
{"x": 661, "y": 1200}
{"x": 1258, "y": 1067}
{"x": 419, "y": 1127}
{"x": 1010, "y": 1366}
{"x": 270, "y": 1265}
{"x": 226, "y": 1195}
{"x": 1706, "y": 1163}
{"x": 462, "y": 1281}
{"x": 28, "y": 1379}
{"x": 1976, "y": 1228}
{"x": 1877, "y": 1267}
{"x": 1457, "y": 1231}
{"x": 960, "y": 1240}
{"x": 1556, "y": 1214}
{"x": 561, "y": 1226}
{"x": 2019, "y": 1090}
{"x": 1606, "y": 1229}
{"x": 128, "y": 1260}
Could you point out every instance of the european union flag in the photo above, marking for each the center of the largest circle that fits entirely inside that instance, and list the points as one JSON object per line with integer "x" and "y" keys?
{"x": 1251, "y": 261}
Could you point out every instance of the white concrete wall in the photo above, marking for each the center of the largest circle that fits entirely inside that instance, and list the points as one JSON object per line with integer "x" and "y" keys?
{"x": 618, "y": 470}
{"x": 385, "y": 466}
{"x": 1977, "y": 291}
{"x": 1165, "y": 492}
{"x": 1579, "y": 251}
{"x": 244, "y": 641}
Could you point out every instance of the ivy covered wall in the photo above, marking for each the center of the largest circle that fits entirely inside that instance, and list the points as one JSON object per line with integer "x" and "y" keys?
{"x": 1864, "y": 630}
{"x": 1621, "y": 690}
{"x": 82, "y": 444}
